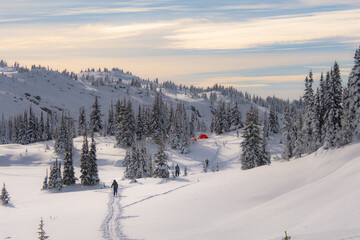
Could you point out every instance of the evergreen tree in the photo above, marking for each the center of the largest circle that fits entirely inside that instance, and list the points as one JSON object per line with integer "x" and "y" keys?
{"x": 273, "y": 120}
{"x": 45, "y": 183}
{"x": 161, "y": 166}
{"x": 266, "y": 125}
{"x": 126, "y": 161}
{"x": 69, "y": 172}
{"x": 47, "y": 135}
{"x": 346, "y": 133}
{"x": 333, "y": 105}
{"x": 95, "y": 117}
{"x": 299, "y": 142}
{"x": 132, "y": 170}
{"x": 287, "y": 134}
{"x": 127, "y": 127}
{"x": 82, "y": 128}
{"x": 61, "y": 136}
{"x": 253, "y": 154}
{"x": 236, "y": 118}
{"x": 220, "y": 119}
{"x": 111, "y": 121}
{"x": 94, "y": 173}
{"x": 42, "y": 233}
{"x": 58, "y": 183}
{"x": 157, "y": 125}
{"x": 55, "y": 178}
{"x": 139, "y": 125}
{"x": 308, "y": 115}
{"x": 4, "y": 197}
{"x": 354, "y": 94}
{"x": 41, "y": 128}
{"x": 85, "y": 176}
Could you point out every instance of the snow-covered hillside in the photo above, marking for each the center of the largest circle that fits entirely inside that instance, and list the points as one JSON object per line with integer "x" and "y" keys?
{"x": 313, "y": 197}
{"x": 51, "y": 91}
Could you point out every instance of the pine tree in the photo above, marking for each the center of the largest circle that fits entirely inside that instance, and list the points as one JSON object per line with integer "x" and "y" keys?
{"x": 273, "y": 120}
{"x": 127, "y": 126}
{"x": 132, "y": 170}
{"x": 139, "y": 125}
{"x": 161, "y": 166}
{"x": 55, "y": 180}
{"x": 299, "y": 142}
{"x": 354, "y": 94}
{"x": 45, "y": 183}
{"x": 333, "y": 105}
{"x": 236, "y": 118}
{"x": 95, "y": 117}
{"x": 69, "y": 172}
{"x": 61, "y": 136}
{"x": 317, "y": 122}
{"x": 4, "y": 197}
{"x": 308, "y": 115}
{"x": 94, "y": 173}
{"x": 253, "y": 154}
{"x": 58, "y": 182}
{"x": 82, "y": 128}
{"x": 157, "y": 125}
{"x": 84, "y": 164}
{"x": 42, "y": 233}
{"x": 111, "y": 121}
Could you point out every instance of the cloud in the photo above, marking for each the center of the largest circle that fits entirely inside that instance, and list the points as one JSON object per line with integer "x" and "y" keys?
{"x": 269, "y": 31}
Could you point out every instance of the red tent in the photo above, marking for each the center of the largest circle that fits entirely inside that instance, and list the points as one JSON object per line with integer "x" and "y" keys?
{"x": 203, "y": 136}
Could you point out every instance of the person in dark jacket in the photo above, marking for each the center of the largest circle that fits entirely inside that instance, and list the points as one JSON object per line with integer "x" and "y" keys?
{"x": 115, "y": 186}
{"x": 177, "y": 170}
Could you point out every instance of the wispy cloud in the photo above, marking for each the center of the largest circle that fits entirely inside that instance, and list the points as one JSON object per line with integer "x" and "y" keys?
{"x": 268, "y": 31}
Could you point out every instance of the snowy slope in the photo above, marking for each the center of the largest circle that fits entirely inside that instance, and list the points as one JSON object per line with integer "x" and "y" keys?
{"x": 314, "y": 197}
{"x": 51, "y": 91}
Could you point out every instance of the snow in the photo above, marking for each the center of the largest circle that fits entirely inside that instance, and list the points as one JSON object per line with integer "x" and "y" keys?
{"x": 313, "y": 197}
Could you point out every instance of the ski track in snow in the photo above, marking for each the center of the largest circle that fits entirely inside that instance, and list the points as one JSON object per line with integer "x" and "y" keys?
{"x": 157, "y": 195}
{"x": 112, "y": 229}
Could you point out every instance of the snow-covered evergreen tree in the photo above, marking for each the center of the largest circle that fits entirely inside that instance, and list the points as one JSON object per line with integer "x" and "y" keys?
{"x": 308, "y": 115}
{"x": 160, "y": 160}
{"x": 94, "y": 173}
{"x": 111, "y": 121}
{"x": 41, "y": 232}
{"x": 354, "y": 94}
{"x": 299, "y": 142}
{"x": 287, "y": 134}
{"x": 95, "y": 117}
{"x": 55, "y": 178}
{"x": 61, "y": 136}
{"x": 85, "y": 170}
{"x": 127, "y": 126}
{"x": 253, "y": 154}
{"x": 82, "y": 128}
{"x": 140, "y": 132}
{"x": 45, "y": 183}
{"x": 333, "y": 105}
{"x": 236, "y": 118}
{"x": 58, "y": 182}
{"x": 158, "y": 124}
{"x": 4, "y": 197}
{"x": 69, "y": 172}
{"x": 132, "y": 169}
{"x": 273, "y": 120}
{"x": 317, "y": 122}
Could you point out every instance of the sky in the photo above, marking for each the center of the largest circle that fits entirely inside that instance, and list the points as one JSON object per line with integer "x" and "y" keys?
{"x": 262, "y": 47}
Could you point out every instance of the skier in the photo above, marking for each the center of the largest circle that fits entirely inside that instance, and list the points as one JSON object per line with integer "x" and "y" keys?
{"x": 206, "y": 163}
{"x": 115, "y": 186}
{"x": 177, "y": 170}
